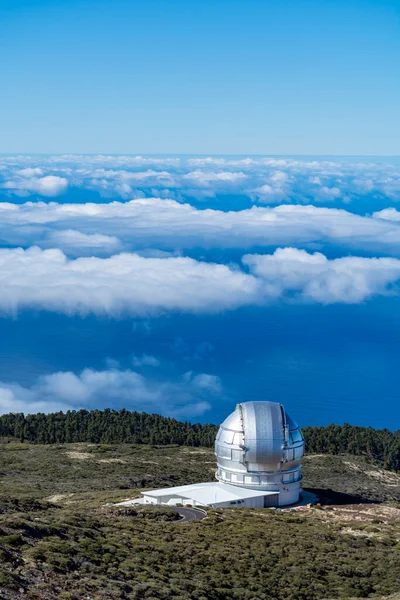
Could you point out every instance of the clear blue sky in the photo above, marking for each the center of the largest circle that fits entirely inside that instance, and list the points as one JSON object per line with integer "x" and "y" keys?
{"x": 200, "y": 76}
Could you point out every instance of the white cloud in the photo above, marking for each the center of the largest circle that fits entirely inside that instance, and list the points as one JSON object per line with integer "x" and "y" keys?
{"x": 388, "y": 214}
{"x": 30, "y": 172}
{"x": 276, "y": 190}
{"x": 189, "y": 395}
{"x": 262, "y": 179}
{"x": 145, "y": 360}
{"x": 124, "y": 175}
{"x": 329, "y": 193}
{"x": 77, "y": 243}
{"x": 207, "y": 177}
{"x": 50, "y": 185}
{"x": 15, "y": 398}
{"x": 131, "y": 284}
{"x": 125, "y": 283}
{"x": 219, "y": 162}
{"x": 169, "y": 225}
{"x": 203, "y": 381}
{"x": 112, "y": 182}
{"x": 270, "y": 194}
{"x": 312, "y": 277}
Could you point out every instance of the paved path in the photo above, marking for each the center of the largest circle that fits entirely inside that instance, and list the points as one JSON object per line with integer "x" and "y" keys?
{"x": 189, "y": 514}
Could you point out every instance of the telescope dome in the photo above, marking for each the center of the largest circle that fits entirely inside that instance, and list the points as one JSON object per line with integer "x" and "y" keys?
{"x": 259, "y": 446}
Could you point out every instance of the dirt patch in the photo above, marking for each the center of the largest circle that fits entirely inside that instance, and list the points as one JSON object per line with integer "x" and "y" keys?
{"x": 355, "y": 513}
{"x": 58, "y": 498}
{"x": 381, "y": 475}
{"x": 367, "y": 513}
{"x": 112, "y": 460}
{"x": 352, "y": 466}
{"x": 362, "y": 533}
{"x": 311, "y": 456}
{"x": 79, "y": 455}
{"x": 385, "y": 476}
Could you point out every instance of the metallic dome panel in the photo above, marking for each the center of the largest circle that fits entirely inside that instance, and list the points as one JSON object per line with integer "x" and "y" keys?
{"x": 264, "y": 434}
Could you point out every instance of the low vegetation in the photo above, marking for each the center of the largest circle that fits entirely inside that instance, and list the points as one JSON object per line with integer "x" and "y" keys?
{"x": 60, "y": 538}
{"x": 64, "y": 552}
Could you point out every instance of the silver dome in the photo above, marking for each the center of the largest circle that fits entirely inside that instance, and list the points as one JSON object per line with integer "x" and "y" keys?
{"x": 260, "y": 446}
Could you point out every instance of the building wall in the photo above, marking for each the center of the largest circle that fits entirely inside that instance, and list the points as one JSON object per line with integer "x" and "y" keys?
{"x": 289, "y": 493}
{"x": 287, "y": 483}
{"x": 171, "y": 499}
{"x": 271, "y": 500}
{"x": 150, "y": 500}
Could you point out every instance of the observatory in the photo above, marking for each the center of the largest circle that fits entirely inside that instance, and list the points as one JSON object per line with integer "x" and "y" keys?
{"x": 259, "y": 449}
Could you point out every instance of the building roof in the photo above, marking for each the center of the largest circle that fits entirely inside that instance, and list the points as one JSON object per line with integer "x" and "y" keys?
{"x": 209, "y": 493}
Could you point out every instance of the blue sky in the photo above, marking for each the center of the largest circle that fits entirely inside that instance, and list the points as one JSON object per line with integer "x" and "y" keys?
{"x": 237, "y": 76}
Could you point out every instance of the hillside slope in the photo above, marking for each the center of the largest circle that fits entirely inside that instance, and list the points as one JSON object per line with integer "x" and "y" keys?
{"x": 59, "y": 540}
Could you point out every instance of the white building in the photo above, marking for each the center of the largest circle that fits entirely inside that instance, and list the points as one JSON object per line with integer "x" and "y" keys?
{"x": 259, "y": 449}
{"x": 211, "y": 494}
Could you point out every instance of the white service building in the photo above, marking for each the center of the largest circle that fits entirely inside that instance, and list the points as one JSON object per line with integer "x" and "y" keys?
{"x": 259, "y": 449}
{"x": 211, "y": 494}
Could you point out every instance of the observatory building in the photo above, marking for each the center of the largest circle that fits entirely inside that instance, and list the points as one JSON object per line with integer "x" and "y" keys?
{"x": 259, "y": 449}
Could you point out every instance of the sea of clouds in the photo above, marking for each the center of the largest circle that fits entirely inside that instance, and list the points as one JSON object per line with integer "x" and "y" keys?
{"x": 262, "y": 180}
{"x": 128, "y": 236}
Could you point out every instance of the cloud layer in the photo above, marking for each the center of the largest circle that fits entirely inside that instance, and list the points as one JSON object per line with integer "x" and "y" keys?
{"x": 135, "y": 285}
{"x": 169, "y": 225}
{"x": 190, "y": 394}
{"x": 292, "y": 273}
{"x": 124, "y": 283}
{"x": 25, "y": 185}
{"x": 123, "y": 236}
{"x": 261, "y": 179}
